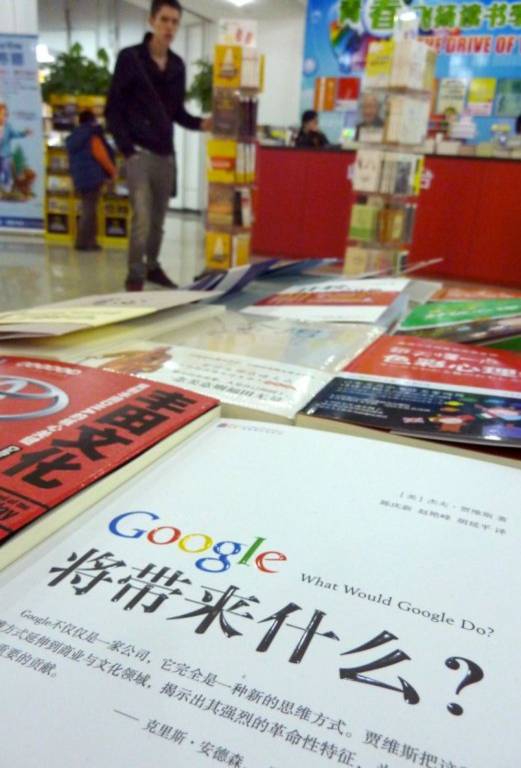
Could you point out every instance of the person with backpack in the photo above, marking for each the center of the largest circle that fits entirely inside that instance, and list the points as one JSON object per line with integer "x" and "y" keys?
{"x": 91, "y": 162}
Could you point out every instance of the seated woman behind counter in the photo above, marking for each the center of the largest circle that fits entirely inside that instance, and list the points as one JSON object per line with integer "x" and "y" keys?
{"x": 309, "y": 135}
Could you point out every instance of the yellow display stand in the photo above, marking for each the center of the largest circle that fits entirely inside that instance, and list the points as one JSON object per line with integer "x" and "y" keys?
{"x": 238, "y": 78}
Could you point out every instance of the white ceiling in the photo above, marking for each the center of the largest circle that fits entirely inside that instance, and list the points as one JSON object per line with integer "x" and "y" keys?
{"x": 219, "y": 9}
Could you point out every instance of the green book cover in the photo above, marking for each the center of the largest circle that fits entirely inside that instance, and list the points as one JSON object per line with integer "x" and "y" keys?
{"x": 364, "y": 220}
{"x": 512, "y": 345}
{"x": 453, "y": 312}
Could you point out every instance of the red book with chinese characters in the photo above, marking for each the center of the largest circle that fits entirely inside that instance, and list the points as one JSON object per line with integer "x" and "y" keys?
{"x": 429, "y": 389}
{"x": 380, "y": 302}
{"x": 63, "y": 427}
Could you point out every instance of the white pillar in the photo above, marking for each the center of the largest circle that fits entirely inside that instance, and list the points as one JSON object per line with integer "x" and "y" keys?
{"x": 19, "y": 17}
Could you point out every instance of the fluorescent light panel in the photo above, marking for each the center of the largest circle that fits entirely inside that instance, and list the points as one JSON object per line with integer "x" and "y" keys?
{"x": 239, "y": 3}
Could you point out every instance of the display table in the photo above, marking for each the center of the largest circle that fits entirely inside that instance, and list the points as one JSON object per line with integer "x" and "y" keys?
{"x": 468, "y": 215}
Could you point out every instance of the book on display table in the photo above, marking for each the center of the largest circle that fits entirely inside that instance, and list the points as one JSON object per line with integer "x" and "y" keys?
{"x": 256, "y": 595}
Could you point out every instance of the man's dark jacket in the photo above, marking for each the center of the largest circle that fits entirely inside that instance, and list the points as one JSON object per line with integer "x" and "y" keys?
{"x": 144, "y": 102}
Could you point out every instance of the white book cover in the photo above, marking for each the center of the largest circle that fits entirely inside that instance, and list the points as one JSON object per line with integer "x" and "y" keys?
{"x": 349, "y": 301}
{"x": 273, "y": 597}
{"x": 323, "y": 346}
{"x": 260, "y": 387}
{"x": 368, "y": 170}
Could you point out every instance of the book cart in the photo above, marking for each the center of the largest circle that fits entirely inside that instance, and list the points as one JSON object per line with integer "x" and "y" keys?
{"x": 395, "y": 105}
{"x": 238, "y": 75}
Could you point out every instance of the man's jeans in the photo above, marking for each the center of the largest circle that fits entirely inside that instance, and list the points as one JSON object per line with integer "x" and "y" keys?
{"x": 150, "y": 180}
{"x": 88, "y": 224}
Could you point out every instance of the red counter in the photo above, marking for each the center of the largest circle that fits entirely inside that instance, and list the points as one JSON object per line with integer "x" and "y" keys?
{"x": 470, "y": 214}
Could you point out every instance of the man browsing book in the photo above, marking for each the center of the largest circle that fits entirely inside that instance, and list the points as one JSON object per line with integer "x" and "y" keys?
{"x": 146, "y": 98}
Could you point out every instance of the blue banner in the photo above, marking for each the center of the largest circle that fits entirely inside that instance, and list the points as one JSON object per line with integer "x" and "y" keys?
{"x": 478, "y": 46}
{"x": 21, "y": 135}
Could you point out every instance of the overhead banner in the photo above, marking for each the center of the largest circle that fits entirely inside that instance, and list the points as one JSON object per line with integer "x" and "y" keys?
{"x": 21, "y": 135}
{"x": 478, "y": 44}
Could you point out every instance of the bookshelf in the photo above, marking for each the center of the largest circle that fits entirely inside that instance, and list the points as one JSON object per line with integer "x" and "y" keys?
{"x": 238, "y": 76}
{"x": 395, "y": 105}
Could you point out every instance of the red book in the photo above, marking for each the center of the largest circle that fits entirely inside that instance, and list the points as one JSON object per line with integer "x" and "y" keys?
{"x": 430, "y": 389}
{"x": 65, "y": 426}
{"x": 413, "y": 359}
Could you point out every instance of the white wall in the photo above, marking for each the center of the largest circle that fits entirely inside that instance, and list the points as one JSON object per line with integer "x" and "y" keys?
{"x": 109, "y": 24}
{"x": 19, "y": 17}
{"x": 282, "y": 41}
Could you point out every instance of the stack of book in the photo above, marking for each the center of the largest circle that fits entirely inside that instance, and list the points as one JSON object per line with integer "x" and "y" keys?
{"x": 396, "y": 173}
{"x": 230, "y": 162}
{"x": 394, "y": 111}
{"x": 493, "y": 322}
{"x": 380, "y": 223}
{"x": 238, "y": 75}
{"x": 229, "y": 206}
{"x": 405, "y": 64}
{"x": 234, "y": 114}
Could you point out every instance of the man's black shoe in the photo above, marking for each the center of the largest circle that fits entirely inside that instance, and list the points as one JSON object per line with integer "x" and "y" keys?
{"x": 158, "y": 277}
{"x": 134, "y": 284}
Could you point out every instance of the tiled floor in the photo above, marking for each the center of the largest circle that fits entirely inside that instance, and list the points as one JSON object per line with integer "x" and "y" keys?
{"x": 33, "y": 272}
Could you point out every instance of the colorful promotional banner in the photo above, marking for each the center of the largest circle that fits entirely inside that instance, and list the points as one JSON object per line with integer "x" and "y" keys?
{"x": 475, "y": 41}
{"x": 21, "y": 135}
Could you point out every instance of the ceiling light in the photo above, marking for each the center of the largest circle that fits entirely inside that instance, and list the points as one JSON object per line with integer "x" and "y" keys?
{"x": 239, "y": 3}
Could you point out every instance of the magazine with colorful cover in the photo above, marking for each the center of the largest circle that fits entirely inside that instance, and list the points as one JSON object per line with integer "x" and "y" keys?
{"x": 269, "y": 596}
{"x": 247, "y": 387}
{"x": 323, "y": 346}
{"x": 65, "y": 426}
{"x": 460, "y": 320}
{"x": 429, "y": 389}
{"x": 380, "y": 302}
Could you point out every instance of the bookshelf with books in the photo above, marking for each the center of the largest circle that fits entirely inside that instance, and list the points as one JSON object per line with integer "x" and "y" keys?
{"x": 231, "y": 152}
{"x": 62, "y": 205}
{"x": 397, "y": 93}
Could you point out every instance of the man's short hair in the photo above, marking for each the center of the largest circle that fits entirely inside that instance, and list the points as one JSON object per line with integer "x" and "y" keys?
{"x": 158, "y": 4}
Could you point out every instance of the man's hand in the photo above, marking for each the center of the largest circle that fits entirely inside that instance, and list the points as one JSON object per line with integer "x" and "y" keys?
{"x": 207, "y": 124}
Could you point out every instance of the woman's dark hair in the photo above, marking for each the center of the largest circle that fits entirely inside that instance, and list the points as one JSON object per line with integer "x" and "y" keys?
{"x": 518, "y": 124}
{"x": 158, "y": 4}
{"x": 308, "y": 116}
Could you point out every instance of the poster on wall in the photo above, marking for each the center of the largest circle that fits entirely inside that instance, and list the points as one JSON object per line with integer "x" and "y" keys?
{"x": 508, "y": 98}
{"x": 474, "y": 41}
{"x": 481, "y": 96}
{"x": 451, "y": 95}
{"x": 21, "y": 135}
